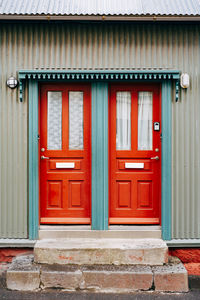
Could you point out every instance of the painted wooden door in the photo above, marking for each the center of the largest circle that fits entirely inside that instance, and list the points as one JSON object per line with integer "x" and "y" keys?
{"x": 135, "y": 154}
{"x": 65, "y": 154}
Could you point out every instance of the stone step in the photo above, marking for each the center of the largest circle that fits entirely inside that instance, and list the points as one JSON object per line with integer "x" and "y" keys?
{"x": 26, "y": 275}
{"x": 82, "y": 251}
{"x": 116, "y": 231}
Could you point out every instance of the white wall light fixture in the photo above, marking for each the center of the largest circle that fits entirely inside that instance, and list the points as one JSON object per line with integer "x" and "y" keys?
{"x": 185, "y": 80}
{"x": 12, "y": 82}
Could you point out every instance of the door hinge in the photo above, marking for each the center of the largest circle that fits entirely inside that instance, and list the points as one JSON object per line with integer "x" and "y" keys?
{"x": 38, "y": 137}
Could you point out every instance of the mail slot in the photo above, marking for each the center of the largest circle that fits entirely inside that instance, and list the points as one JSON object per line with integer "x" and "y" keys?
{"x": 134, "y": 165}
{"x": 69, "y": 165}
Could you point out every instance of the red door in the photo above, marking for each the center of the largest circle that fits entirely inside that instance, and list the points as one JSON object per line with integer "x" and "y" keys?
{"x": 65, "y": 154}
{"x": 135, "y": 154}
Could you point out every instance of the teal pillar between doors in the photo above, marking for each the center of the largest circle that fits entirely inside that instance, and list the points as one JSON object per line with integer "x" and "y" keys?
{"x": 166, "y": 159}
{"x": 33, "y": 189}
{"x": 99, "y": 156}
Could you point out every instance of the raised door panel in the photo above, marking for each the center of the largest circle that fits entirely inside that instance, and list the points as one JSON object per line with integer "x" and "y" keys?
{"x": 124, "y": 194}
{"x": 54, "y": 191}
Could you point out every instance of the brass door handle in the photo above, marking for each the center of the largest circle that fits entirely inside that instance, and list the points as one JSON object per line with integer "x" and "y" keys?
{"x": 44, "y": 157}
{"x": 155, "y": 157}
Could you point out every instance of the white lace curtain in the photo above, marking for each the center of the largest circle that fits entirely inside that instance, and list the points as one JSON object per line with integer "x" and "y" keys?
{"x": 54, "y": 117}
{"x": 123, "y": 134}
{"x": 145, "y": 121}
{"x": 75, "y": 120}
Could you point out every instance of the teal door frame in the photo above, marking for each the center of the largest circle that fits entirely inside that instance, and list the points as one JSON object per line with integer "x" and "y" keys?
{"x": 33, "y": 159}
{"x": 166, "y": 164}
{"x": 99, "y": 152}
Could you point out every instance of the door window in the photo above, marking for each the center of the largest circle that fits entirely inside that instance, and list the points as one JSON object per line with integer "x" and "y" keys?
{"x": 145, "y": 115}
{"x": 54, "y": 120}
{"x": 75, "y": 120}
{"x": 123, "y": 126}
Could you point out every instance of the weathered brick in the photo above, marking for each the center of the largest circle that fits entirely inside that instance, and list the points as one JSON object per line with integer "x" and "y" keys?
{"x": 23, "y": 275}
{"x": 187, "y": 255}
{"x": 193, "y": 268}
{"x": 171, "y": 278}
{"x": 136, "y": 278}
{"x": 23, "y": 280}
{"x": 3, "y": 269}
{"x": 7, "y": 254}
{"x": 61, "y": 279}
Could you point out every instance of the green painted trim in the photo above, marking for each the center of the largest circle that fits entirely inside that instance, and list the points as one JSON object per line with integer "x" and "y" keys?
{"x": 100, "y": 75}
{"x": 33, "y": 188}
{"x": 26, "y": 73}
{"x": 100, "y": 156}
{"x": 166, "y": 159}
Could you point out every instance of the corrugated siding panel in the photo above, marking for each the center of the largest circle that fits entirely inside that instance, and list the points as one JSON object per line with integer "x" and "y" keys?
{"x": 100, "y": 7}
{"x": 101, "y": 46}
{"x": 13, "y": 205}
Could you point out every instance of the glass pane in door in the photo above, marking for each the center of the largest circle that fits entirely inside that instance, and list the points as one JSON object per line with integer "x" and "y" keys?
{"x": 145, "y": 116}
{"x": 123, "y": 126}
{"x": 54, "y": 120}
{"x": 75, "y": 120}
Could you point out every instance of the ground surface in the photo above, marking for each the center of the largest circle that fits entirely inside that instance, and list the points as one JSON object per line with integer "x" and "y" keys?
{"x": 55, "y": 295}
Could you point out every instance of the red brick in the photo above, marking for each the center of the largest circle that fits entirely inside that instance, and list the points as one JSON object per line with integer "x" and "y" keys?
{"x": 187, "y": 255}
{"x": 193, "y": 268}
{"x": 7, "y": 254}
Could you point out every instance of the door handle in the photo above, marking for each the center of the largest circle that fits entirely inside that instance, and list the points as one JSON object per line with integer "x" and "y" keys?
{"x": 155, "y": 157}
{"x": 44, "y": 157}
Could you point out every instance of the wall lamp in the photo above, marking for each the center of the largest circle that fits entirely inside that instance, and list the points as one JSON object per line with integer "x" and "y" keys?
{"x": 185, "y": 80}
{"x": 12, "y": 82}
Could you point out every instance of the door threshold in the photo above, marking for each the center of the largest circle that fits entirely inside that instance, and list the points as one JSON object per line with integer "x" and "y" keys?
{"x": 84, "y": 231}
{"x": 135, "y": 227}
{"x": 88, "y": 227}
{"x": 65, "y": 227}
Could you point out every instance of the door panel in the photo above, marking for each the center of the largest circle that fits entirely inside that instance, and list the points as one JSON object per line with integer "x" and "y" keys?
{"x": 124, "y": 194}
{"x": 65, "y": 194}
{"x": 135, "y": 172}
{"x": 54, "y": 194}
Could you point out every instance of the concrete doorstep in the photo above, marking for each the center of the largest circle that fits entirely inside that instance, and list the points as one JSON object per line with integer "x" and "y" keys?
{"x": 81, "y": 251}
{"x": 25, "y": 275}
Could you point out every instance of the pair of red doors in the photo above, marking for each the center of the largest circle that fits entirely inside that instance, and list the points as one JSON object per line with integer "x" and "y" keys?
{"x": 134, "y": 154}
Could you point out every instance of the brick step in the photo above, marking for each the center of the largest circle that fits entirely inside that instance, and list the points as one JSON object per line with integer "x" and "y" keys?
{"x": 25, "y": 275}
{"x": 81, "y": 251}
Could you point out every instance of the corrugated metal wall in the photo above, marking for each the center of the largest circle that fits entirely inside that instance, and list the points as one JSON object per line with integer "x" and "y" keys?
{"x": 164, "y": 46}
{"x": 13, "y": 139}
